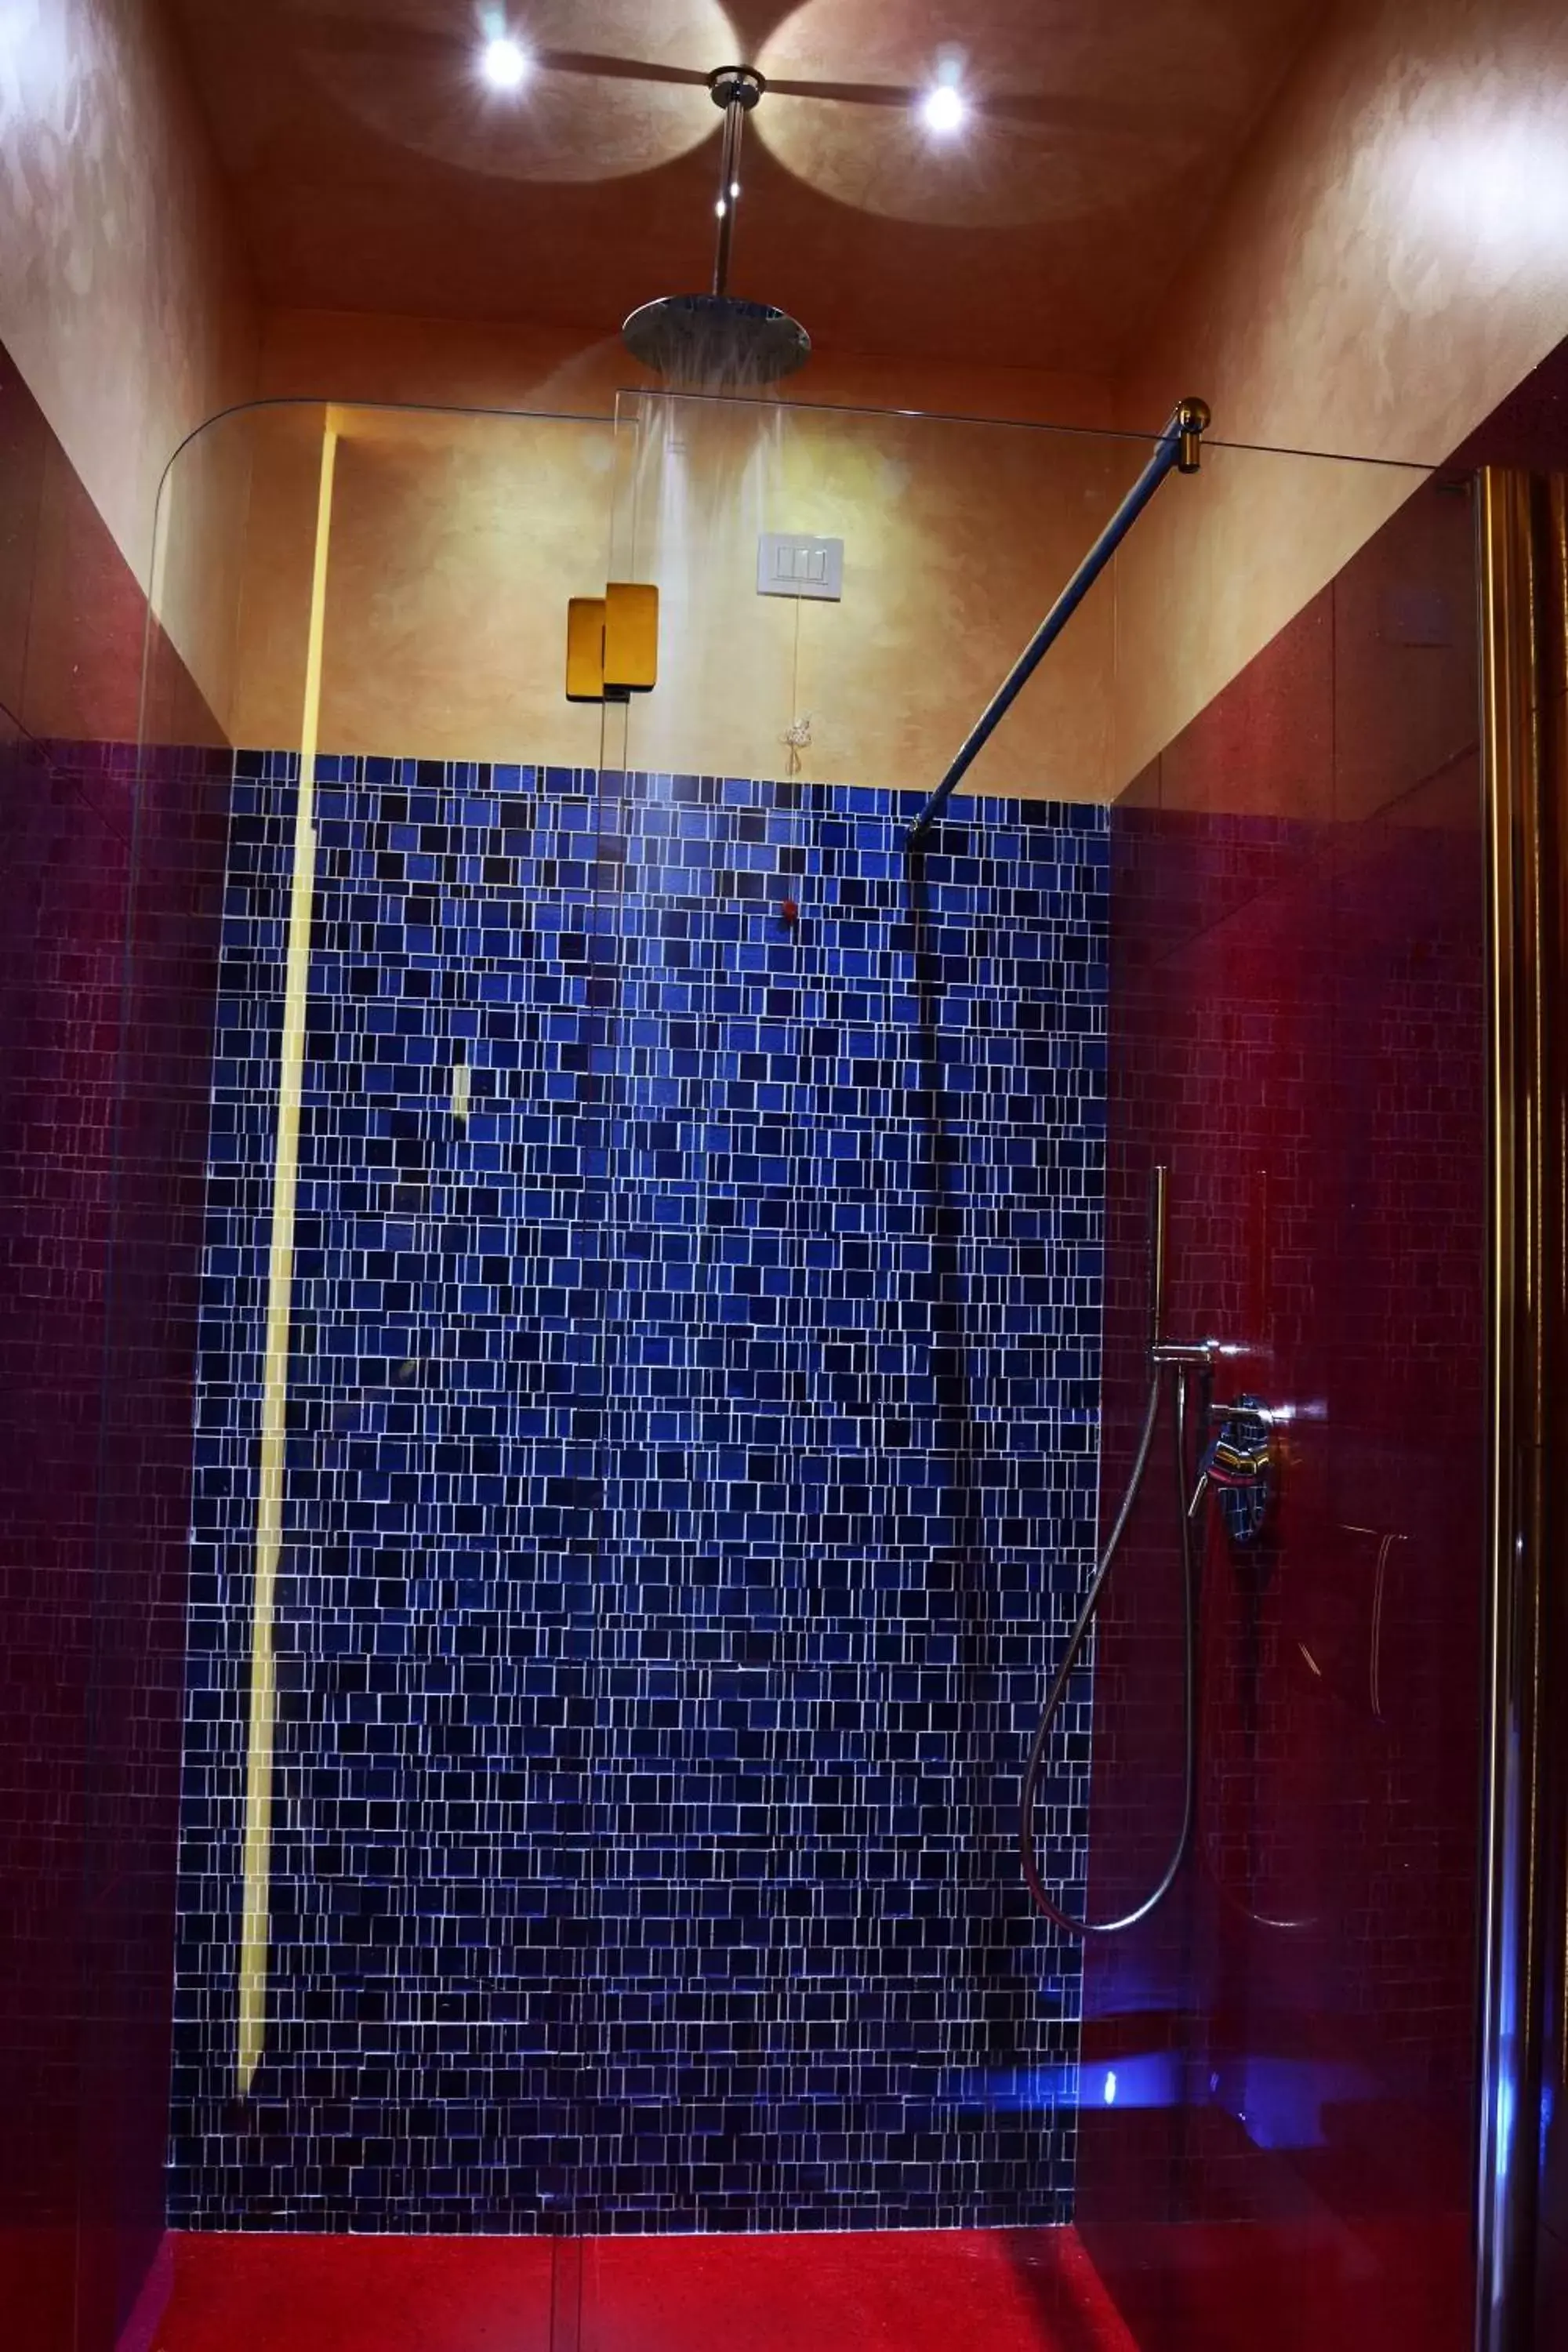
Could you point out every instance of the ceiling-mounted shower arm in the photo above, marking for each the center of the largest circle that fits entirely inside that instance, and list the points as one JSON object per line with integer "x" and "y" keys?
{"x": 718, "y": 343}
{"x": 737, "y": 89}
{"x": 1177, "y": 450}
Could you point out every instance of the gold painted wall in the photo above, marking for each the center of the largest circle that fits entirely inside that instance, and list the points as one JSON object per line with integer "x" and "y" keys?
{"x": 457, "y": 542}
{"x": 453, "y": 362}
{"x": 958, "y": 536}
{"x": 1391, "y": 260}
{"x": 124, "y": 300}
{"x": 458, "y": 539}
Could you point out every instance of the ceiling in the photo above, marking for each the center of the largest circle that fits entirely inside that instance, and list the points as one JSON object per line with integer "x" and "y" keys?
{"x": 373, "y": 170}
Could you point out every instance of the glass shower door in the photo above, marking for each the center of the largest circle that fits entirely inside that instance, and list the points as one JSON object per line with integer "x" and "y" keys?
{"x": 850, "y": 1340}
{"x": 857, "y": 1198}
{"x": 637, "y": 1513}
{"x": 380, "y": 1996}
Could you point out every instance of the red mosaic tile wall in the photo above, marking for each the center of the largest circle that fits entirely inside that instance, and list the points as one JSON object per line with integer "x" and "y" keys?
{"x": 110, "y": 883}
{"x": 1277, "y": 2068}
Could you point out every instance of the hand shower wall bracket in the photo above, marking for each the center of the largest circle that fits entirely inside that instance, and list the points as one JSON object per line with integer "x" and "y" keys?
{"x": 1196, "y": 1355}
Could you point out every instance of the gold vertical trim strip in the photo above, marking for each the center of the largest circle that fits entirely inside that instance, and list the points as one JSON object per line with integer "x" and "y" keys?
{"x": 1554, "y": 1298}
{"x": 1517, "y": 616}
{"x": 258, "y": 1851}
{"x": 1506, "y": 686}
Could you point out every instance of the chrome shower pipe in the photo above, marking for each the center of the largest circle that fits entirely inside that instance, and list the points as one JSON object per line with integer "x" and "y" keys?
{"x": 1159, "y": 1190}
{"x": 1177, "y": 450}
{"x": 737, "y": 89}
{"x": 1196, "y": 1355}
{"x": 1180, "y": 1360}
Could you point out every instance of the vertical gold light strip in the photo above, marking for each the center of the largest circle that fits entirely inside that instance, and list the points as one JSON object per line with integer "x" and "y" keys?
{"x": 1524, "y": 581}
{"x": 254, "y": 1928}
{"x": 1507, "y": 694}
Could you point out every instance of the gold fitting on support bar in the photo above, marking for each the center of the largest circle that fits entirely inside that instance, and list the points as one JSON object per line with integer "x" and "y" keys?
{"x": 1194, "y": 418}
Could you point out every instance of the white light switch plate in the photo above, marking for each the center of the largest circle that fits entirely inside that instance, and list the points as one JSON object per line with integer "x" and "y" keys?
{"x": 788, "y": 565}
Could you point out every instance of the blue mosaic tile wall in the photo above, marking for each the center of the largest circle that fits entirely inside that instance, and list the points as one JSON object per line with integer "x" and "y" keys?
{"x": 693, "y": 1463}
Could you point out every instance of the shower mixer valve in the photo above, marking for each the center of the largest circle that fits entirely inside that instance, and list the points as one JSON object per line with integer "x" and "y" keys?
{"x": 1239, "y": 1464}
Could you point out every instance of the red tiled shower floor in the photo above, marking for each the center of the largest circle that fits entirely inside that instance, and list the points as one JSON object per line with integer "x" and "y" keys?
{"x": 916, "y": 2290}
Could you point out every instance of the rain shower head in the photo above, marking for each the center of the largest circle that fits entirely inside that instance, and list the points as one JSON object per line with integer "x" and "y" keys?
{"x": 716, "y": 341}
{"x": 719, "y": 342}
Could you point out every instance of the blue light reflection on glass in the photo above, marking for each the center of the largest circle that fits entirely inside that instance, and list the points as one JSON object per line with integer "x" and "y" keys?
{"x": 1280, "y": 2103}
{"x": 1504, "y": 2124}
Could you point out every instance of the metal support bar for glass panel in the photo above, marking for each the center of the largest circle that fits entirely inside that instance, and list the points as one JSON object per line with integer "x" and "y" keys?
{"x": 1177, "y": 450}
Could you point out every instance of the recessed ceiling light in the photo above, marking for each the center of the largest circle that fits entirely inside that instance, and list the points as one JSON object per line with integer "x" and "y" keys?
{"x": 943, "y": 109}
{"x": 505, "y": 64}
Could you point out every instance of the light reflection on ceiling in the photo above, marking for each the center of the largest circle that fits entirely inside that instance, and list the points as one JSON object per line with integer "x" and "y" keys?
{"x": 1060, "y": 125}
{"x": 615, "y": 87}
{"x": 374, "y": 171}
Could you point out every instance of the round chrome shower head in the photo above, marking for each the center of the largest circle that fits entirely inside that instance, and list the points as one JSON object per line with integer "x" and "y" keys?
{"x": 720, "y": 342}
{"x": 716, "y": 343}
